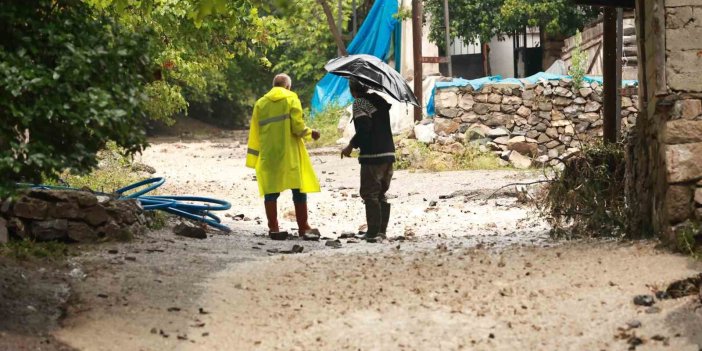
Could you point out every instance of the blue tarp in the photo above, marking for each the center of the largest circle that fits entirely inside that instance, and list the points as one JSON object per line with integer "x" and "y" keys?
{"x": 477, "y": 84}
{"x": 373, "y": 38}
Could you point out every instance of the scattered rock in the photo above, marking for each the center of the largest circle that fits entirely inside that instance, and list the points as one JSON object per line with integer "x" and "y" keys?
{"x": 685, "y": 287}
{"x": 190, "y": 230}
{"x": 644, "y": 300}
{"x": 347, "y": 235}
{"x": 333, "y": 243}
{"x": 141, "y": 167}
{"x": 633, "y": 323}
{"x": 653, "y": 309}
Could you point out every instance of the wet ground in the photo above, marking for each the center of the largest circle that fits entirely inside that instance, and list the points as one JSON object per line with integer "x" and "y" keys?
{"x": 469, "y": 267}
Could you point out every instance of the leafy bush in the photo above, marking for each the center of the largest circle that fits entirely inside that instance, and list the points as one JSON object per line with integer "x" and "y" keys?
{"x": 70, "y": 80}
{"x": 164, "y": 101}
{"x": 114, "y": 171}
{"x": 327, "y": 123}
{"x": 586, "y": 198}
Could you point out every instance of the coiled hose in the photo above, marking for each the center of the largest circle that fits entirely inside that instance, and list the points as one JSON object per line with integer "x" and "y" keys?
{"x": 196, "y": 208}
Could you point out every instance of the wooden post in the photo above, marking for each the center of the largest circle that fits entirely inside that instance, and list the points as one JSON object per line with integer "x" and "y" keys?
{"x": 332, "y": 26}
{"x": 609, "y": 75}
{"x": 417, "y": 51}
{"x": 448, "y": 39}
{"x": 618, "y": 68}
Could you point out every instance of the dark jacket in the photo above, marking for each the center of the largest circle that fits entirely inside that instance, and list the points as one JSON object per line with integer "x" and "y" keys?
{"x": 371, "y": 117}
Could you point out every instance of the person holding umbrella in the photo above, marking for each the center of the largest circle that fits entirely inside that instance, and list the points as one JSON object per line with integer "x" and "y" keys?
{"x": 276, "y": 149}
{"x": 371, "y": 118}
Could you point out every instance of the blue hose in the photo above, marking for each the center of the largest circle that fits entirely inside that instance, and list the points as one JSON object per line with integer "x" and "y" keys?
{"x": 181, "y": 206}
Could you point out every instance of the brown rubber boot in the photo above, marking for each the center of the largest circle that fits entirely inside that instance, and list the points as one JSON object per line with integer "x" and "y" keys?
{"x": 306, "y": 232}
{"x": 272, "y": 216}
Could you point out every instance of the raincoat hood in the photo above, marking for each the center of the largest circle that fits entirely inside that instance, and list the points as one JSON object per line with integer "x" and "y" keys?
{"x": 279, "y": 93}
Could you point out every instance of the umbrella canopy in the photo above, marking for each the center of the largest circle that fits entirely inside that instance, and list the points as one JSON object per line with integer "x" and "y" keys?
{"x": 375, "y": 74}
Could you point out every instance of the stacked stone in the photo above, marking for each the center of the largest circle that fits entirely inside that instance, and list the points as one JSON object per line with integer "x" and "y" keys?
{"x": 682, "y": 136}
{"x": 547, "y": 119}
{"x": 77, "y": 216}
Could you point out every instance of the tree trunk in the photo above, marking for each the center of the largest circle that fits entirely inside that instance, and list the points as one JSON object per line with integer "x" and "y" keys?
{"x": 486, "y": 59}
{"x": 332, "y": 26}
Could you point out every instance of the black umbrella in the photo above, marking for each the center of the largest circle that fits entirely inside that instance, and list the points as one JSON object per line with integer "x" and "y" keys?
{"x": 375, "y": 74}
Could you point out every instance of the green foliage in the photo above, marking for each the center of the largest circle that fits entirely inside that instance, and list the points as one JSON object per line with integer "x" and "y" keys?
{"x": 578, "y": 67}
{"x": 113, "y": 172}
{"x": 306, "y": 44}
{"x": 688, "y": 235}
{"x": 156, "y": 220}
{"x": 403, "y": 13}
{"x": 326, "y": 122}
{"x": 222, "y": 52}
{"x": 164, "y": 101}
{"x": 551, "y": 16}
{"x": 415, "y": 155}
{"x": 70, "y": 80}
{"x": 29, "y": 249}
{"x": 478, "y": 21}
{"x": 586, "y": 198}
{"x": 474, "y": 21}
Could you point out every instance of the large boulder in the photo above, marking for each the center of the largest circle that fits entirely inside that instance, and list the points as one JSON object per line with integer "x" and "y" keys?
{"x": 519, "y": 161}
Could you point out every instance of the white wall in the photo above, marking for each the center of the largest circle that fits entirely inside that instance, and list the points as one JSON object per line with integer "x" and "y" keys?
{"x": 501, "y": 52}
{"x": 428, "y": 48}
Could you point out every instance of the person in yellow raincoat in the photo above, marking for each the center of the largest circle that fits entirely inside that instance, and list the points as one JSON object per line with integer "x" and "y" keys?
{"x": 276, "y": 149}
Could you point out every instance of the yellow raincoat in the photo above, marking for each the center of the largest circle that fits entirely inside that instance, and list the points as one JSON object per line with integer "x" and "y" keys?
{"x": 276, "y": 144}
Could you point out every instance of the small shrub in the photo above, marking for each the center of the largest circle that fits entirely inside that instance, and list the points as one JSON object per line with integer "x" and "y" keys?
{"x": 326, "y": 122}
{"x": 156, "y": 220}
{"x": 578, "y": 66}
{"x": 688, "y": 237}
{"x": 586, "y": 198}
{"x": 113, "y": 172}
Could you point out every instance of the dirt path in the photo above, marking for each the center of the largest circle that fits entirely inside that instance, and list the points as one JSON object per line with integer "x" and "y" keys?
{"x": 468, "y": 269}
{"x": 573, "y": 297}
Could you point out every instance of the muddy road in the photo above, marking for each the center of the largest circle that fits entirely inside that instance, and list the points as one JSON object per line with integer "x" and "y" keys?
{"x": 469, "y": 267}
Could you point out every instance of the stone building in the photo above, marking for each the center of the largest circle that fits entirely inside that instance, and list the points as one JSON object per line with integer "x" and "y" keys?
{"x": 665, "y": 150}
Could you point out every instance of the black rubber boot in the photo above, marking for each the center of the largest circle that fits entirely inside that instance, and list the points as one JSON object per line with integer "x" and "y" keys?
{"x": 385, "y": 210}
{"x": 374, "y": 220}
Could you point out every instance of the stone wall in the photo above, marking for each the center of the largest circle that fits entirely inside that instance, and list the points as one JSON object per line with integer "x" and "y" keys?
{"x": 542, "y": 121}
{"x": 681, "y": 135}
{"x": 665, "y": 157}
{"x": 77, "y": 216}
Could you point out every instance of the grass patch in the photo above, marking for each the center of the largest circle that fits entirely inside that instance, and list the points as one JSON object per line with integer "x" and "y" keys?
{"x": 156, "y": 220}
{"x": 414, "y": 155}
{"x": 113, "y": 172}
{"x": 326, "y": 122}
{"x": 30, "y": 249}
